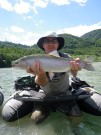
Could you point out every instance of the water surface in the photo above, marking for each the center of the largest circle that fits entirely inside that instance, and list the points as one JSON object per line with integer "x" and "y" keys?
{"x": 57, "y": 123}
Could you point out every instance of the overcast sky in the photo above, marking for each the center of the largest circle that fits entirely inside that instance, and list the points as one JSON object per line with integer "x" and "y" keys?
{"x": 24, "y": 21}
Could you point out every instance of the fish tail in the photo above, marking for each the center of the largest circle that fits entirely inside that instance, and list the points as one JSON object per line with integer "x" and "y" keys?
{"x": 88, "y": 65}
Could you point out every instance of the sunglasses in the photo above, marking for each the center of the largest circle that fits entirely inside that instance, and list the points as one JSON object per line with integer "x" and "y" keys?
{"x": 48, "y": 41}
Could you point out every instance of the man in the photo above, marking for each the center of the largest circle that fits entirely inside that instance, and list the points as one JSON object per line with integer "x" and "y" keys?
{"x": 51, "y": 83}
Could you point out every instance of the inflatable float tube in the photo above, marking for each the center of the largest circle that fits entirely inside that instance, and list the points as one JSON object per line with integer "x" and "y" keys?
{"x": 53, "y": 99}
{"x": 1, "y": 98}
{"x": 23, "y": 100}
{"x": 88, "y": 101}
{"x": 92, "y": 104}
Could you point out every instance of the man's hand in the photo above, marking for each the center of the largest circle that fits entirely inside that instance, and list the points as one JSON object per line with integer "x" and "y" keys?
{"x": 37, "y": 69}
{"x": 75, "y": 66}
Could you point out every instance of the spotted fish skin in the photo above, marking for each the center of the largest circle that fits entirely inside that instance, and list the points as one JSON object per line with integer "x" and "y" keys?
{"x": 50, "y": 63}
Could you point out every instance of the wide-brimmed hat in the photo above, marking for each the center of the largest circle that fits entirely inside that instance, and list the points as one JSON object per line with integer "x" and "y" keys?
{"x": 60, "y": 40}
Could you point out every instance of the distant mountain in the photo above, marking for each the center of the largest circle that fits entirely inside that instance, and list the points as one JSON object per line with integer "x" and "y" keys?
{"x": 88, "y": 44}
{"x": 81, "y": 46}
{"x": 88, "y": 39}
{"x": 73, "y": 41}
{"x": 10, "y": 44}
{"x": 93, "y": 36}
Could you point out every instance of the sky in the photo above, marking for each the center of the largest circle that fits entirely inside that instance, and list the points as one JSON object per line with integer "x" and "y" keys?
{"x": 25, "y": 21}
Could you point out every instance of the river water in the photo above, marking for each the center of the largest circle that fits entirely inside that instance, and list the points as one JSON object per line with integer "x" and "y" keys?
{"x": 57, "y": 123}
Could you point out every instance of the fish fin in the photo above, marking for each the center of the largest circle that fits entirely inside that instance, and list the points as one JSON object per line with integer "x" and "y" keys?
{"x": 54, "y": 53}
{"x": 88, "y": 63}
{"x": 51, "y": 75}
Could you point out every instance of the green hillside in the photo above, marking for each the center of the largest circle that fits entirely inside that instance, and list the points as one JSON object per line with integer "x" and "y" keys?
{"x": 79, "y": 46}
{"x": 93, "y": 36}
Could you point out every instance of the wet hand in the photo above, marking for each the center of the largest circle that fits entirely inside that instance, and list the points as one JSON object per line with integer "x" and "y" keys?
{"x": 36, "y": 69}
{"x": 40, "y": 75}
{"x": 75, "y": 66}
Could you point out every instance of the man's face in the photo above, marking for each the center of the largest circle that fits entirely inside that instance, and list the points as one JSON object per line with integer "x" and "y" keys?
{"x": 50, "y": 44}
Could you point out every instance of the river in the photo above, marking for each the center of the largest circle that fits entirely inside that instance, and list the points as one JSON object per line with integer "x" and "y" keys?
{"x": 57, "y": 123}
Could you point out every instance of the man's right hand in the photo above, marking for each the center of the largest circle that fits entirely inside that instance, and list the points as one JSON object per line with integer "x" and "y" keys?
{"x": 37, "y": 69}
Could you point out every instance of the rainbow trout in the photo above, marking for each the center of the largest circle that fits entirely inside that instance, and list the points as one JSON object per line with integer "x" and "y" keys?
{"x": 50, "y": 63}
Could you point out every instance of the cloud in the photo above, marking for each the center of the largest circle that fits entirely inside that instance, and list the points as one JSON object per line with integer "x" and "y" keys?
{"x": 19, "y": 35}
{"x": 67, "y": 2}
{"x": 7, "y": 36}
{"x": 26, "y": 38}
{"x": 35, "y": 10}
{"x": 80, "y": 2}
{"x": 30, "y": 38}
{"x": 6, "y": 5}
{"x": 61, "y": 2}
{"x": 39, "y": 22}
{"x": 17, "y": 29}
{"x": 41, "y": 3}
{"x": 27, "y": 17}
{"x": 80, "y": 29}
{"x": 22, "y": 7}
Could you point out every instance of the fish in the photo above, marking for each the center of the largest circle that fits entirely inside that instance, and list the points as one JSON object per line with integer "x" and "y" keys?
{"x": 50, "y": 63}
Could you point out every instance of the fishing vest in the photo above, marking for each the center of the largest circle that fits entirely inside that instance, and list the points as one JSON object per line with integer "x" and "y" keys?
{"x": 59, "y": 83}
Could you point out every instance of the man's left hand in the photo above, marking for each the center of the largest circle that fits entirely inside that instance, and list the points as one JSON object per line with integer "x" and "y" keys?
{"x": 75, "y": 66}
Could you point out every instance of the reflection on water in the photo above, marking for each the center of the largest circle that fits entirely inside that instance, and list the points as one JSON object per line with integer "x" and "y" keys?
{"x": 57, "y": 123}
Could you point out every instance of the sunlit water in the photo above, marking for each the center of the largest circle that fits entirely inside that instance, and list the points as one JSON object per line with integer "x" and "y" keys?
{"x": 57, "y": 123}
